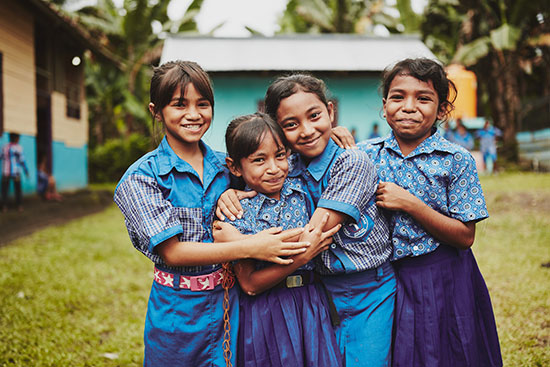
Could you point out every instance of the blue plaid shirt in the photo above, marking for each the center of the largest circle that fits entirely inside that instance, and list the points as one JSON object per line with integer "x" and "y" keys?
{"x": 261, "y": 212}
{"x": 346, "y": 181}
{"x": 161, "y": 196}
{"x": 440, "y": 173}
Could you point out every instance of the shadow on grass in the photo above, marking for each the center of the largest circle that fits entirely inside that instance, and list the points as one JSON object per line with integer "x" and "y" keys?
{"x": 39, "y": 213}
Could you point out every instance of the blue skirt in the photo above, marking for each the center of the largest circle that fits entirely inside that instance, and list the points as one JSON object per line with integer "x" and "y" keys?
{"x": 443, "y": 315}
{"x": 286, "y": 327}
{"x": 185, "y": 328}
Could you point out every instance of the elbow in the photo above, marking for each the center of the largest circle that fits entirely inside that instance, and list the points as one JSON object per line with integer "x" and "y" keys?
{"x": 249, "y": 289}
{"x": 466, "y": 242}
{"x": 169, "y": 260}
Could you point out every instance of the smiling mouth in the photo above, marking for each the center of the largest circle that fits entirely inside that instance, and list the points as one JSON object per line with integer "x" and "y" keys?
{"x": 192, "y": 127}
{"x": 408, "y": 121}
{"x": 310, "y": 141}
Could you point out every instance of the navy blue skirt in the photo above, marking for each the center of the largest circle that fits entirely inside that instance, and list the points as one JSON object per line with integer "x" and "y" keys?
{"x": 285, "y": 327}
{"x": 444, "y": 315}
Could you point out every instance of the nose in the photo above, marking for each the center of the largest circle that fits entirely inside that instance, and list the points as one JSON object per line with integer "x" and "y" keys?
{"x": 409, "y": 104}
{"x": 192, "y": 113}
{"x": 272, "y": 166}
{"x": 307, "y": 129}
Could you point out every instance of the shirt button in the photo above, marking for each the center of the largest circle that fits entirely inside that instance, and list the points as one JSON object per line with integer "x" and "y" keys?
{"x": 333, "y": 245}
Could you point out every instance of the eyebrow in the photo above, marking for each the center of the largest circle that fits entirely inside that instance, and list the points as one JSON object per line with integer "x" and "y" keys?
{"x": 421, "y": 91}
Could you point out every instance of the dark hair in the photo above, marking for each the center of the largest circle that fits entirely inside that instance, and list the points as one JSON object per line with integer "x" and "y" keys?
{"x": 173, "y": 74}
{"x": 425, "y": 70}
{"x": 14, "y": 137}
{"x": 244, "y": 135}
{"x": 285, "y": 86}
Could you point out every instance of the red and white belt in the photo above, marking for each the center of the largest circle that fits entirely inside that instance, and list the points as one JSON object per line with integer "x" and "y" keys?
{"x": 197, "y": 283}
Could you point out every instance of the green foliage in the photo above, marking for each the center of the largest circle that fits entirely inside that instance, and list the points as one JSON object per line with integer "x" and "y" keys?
{"x": 108, "y": 162}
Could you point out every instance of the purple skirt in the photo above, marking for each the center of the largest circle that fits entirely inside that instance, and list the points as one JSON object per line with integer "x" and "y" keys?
{"x": 443, "y": 313}
{"x": 286, "y": 327}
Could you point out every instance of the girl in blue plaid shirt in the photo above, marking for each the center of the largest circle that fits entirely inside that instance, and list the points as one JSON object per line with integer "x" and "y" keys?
{"x": 356, "y": 267}
{"x": 167, "y": 198}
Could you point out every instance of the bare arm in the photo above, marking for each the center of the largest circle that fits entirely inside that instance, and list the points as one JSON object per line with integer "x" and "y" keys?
{"x": 446, "y": 229}
{"x": 342, "y": 137}
{"x": 254, "y": 281}
{"x": 268, "y": 245}
{"x": 229, "y": 203}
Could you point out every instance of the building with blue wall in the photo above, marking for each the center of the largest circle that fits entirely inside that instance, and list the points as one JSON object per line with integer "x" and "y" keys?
{"x": 42, "y": 95}
{"x": 242, "y": 68}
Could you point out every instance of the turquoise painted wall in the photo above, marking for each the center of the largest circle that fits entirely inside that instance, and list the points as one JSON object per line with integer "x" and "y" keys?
{"x": 359, "y": 104}
{"x": 70, "y": 165}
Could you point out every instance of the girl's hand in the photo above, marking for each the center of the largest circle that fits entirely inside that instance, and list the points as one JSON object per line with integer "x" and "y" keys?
{"x": 270, "y": 245}
{"x": 229, "y": 204}
{"x": 343, "y": 138}
{"x": 225, "y": 232}
{"x": 393, "y": 197}
{"x": 319, "y": 240}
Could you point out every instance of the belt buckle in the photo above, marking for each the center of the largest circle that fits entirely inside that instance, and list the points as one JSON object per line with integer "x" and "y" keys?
{"x": 294, "y": 281}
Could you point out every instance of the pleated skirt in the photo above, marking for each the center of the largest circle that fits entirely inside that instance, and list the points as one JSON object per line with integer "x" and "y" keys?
{"x": 287, "y": 327}
{"x": 444, "y": 315}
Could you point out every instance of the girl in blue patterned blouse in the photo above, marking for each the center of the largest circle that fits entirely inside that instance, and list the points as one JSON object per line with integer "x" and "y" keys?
{"x": 444, "y": 315}
{"x": 284, "y": 318}
{"x": 167, "y": 198}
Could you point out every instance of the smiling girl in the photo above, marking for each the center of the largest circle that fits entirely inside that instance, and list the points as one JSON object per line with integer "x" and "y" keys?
{"x": 167, "y": 199}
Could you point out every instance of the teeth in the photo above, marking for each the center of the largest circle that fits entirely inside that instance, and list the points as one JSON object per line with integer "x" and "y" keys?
{"x": 192, "y": 127}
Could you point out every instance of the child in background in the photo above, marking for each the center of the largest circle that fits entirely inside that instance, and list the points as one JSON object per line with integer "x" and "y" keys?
{"x": 356, "y": 268}
{"x": 167, "y": 198}
{"x": 487, "y": 144}
{"x": 462, "y": 136}
{"x": 444, "y": 315}
{"x": 13, "y": 162}
{"x": 46, "y": 186}
{"x": 284, "y": 318}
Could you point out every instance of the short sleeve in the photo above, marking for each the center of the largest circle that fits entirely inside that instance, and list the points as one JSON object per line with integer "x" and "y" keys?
{"x": 149, "y": 217}
{"x": 465, "y": 196}
{"x": 352, "y": 183}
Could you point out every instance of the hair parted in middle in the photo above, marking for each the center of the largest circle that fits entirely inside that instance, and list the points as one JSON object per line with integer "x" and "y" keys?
{"x": 244, "y": 135}
{"x": 285, "y": 86}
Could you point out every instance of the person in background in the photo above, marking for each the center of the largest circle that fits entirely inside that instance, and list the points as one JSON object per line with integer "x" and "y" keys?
{"x": 487, "y": 143}
{"x": 374, "y": 133}
{"x": 13, "y": 162}
{"x": 46, "y": 186}
{"x": 462, "y": 137}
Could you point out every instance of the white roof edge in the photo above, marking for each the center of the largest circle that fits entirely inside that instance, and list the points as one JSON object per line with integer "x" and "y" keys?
{"x": 334, "y": 52}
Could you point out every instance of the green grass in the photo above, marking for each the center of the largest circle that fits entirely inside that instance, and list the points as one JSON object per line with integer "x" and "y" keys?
{"x": 70, "y": 294}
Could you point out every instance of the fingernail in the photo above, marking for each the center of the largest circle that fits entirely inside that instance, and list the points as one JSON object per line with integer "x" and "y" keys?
{"x": 233, "y": 217}
{"x": 222, "y": 218}
{"x": 240, "y": 216}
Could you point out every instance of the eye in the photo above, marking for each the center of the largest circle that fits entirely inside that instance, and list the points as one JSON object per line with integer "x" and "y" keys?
{"x": 396, "y": 97}
{"x": 204, "y": 104}
{"x": 281, "y": 155}
{"x": 258, "y": 160}
{"x": 289, "y": 125}
{"x": 425, "y": 98}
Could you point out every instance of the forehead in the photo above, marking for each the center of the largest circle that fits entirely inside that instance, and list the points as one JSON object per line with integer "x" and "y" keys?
{"x": 298, "y": 102}
{"x": 407, "y": 82}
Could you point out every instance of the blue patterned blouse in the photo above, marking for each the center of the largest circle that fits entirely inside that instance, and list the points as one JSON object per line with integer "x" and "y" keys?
{"x": 440, "y": 173}
{"x": 262, "y": 212}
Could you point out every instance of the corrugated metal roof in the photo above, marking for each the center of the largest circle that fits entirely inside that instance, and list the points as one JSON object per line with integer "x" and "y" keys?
{"x": 335, "y": 52}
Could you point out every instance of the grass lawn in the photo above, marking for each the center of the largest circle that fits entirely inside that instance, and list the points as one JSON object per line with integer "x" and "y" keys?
{"x": 76, "y": 294}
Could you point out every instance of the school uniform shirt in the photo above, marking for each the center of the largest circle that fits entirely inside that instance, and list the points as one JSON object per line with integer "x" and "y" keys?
{"x": 161, "y": 196}
{"x": 13, "y": 160}
{"x": 438, "y": 172}
{"x": 346, "y": 181}
{"x": 262, "y": 212}
{"x": 487, "y": 140}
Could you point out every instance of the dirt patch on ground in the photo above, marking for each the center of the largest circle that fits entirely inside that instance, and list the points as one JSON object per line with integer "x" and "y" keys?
{"x": 38, "y": 213}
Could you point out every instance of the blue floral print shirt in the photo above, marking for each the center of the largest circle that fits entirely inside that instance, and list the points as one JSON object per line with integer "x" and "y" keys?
{"x": 440, "y": 173}
{"x": 262, "y": 212}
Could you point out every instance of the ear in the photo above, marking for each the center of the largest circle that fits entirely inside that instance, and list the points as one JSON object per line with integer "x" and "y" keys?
{"x": 330, "y": 109}
{"x": 384, "y": 106}
{"x": 441, "y": 112}
{"x": 152, "y": 110}
{"x": 236, "y": 171}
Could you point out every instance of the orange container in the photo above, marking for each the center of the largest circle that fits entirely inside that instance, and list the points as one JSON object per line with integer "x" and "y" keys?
{"x": 466, "y": 85}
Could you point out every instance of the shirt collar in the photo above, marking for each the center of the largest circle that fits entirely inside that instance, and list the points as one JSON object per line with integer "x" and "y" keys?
{"x": 168, "y": 160}
{"x": 320, "y": 164}
{"x": 434, "y": 142}
{"x": 290, "y": 185}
